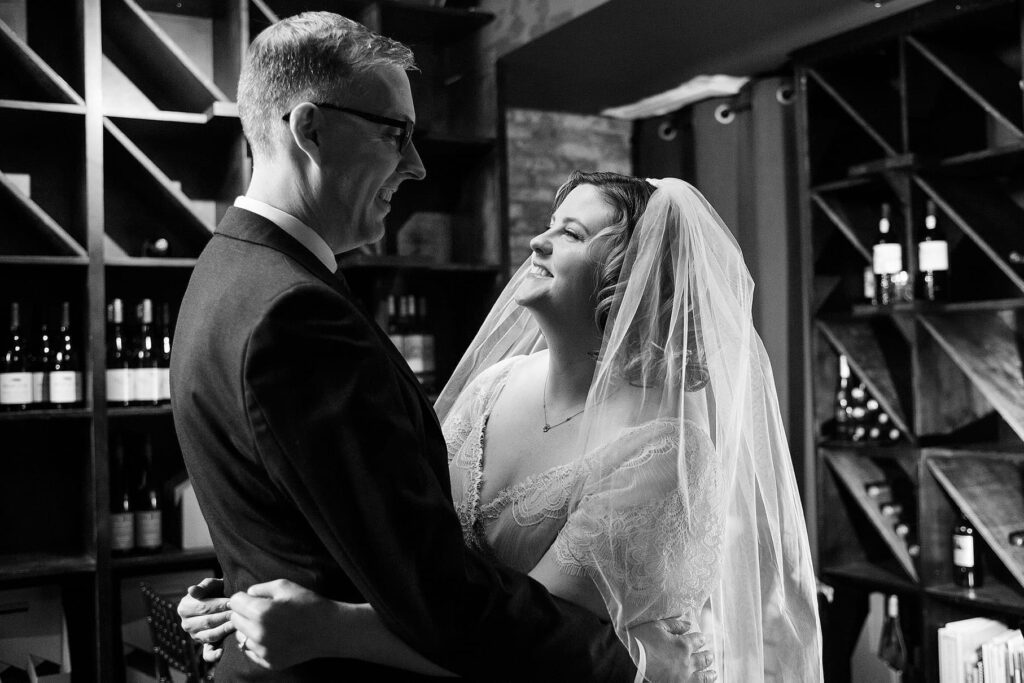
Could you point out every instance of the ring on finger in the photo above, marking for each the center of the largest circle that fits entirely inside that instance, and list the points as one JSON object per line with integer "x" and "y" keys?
{"x": 242, "y": 638}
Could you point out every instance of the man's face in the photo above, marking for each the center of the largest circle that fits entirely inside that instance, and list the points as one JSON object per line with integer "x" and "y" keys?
{"x": 361, "y": 164}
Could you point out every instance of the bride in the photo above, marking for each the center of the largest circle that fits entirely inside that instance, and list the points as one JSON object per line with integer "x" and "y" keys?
{"x": 614, "y": 432}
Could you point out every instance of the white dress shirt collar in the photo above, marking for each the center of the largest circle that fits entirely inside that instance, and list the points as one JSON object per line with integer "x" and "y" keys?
{"x": 304, "y": 234}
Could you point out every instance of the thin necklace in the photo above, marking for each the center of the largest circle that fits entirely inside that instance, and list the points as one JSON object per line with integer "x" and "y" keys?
{"x": 544, "y": 402}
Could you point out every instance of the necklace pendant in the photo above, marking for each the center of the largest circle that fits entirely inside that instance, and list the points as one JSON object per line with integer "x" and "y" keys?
{"x": 547, "y": 428}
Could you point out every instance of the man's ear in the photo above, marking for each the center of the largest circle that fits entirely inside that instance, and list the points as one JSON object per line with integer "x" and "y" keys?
{"x": 304, "y": 125}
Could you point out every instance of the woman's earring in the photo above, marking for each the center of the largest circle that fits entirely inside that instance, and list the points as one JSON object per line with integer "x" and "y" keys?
{"x": 593, "y": 355}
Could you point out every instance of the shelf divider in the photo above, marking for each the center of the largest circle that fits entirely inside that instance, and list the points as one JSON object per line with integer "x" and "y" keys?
{"x": 49, "y": 80}
{"x": 147, "y": 56}
{"x": 988, "y": 492}
{"x": 56, "y": 235}
{"x": 1002, "y": 101}
{"x": 985, "y": 349}
{"x": 857, "y": 342}
{"x": 855, "y": 471}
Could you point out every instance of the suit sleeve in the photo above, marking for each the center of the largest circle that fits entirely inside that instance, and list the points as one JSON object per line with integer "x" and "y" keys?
{"x": 338, "y": 436}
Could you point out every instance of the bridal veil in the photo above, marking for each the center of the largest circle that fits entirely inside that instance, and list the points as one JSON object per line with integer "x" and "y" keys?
{"x": 690, "y": 505}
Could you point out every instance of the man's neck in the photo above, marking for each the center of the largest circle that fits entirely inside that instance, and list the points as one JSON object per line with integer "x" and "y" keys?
{"x": 282, "y": 189}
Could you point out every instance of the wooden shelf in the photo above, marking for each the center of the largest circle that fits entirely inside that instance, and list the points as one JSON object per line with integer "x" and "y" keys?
{"x": 28, "y": 65}
{"x": 936, "y": 308}
{"x": 49, "y": 107}
{"x": 141, "y": 411}
{"x": 987, "y": 490}
{"x": 46, "y": 414}
{"x": 58, "y": 239}
{"x": 147, "y": 262}
{"x": 991, "y": 597}
{"x": 857, "y": 341}
{"x": 984, "y": 347}
{"x": 23, "y": 566}
{"x": 168, "y": 560}
{"x": 44, "y": 260}
{"x": 997, "y": 160}
{"x": 867, "y": 575}
{"x": 854, "y": 471}
{"x": 137, "y": 45}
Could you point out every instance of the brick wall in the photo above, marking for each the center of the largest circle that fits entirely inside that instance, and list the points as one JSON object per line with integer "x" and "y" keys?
{"x": 543, "y": 148}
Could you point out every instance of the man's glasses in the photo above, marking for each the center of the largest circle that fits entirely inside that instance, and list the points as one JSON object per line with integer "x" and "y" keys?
{"x": 405, "y": 126}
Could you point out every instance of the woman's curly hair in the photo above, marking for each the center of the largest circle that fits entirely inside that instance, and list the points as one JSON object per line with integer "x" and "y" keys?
{"x": 628, "y": 197}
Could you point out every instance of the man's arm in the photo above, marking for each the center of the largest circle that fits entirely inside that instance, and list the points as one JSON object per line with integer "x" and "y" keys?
{"x": 340, "y": 437}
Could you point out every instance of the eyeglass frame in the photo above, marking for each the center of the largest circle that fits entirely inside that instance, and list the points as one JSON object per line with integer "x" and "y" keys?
{"x": 407, "y": 127}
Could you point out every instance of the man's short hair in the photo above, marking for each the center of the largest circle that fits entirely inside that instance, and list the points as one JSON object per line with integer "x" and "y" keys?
{"x": 310, "y": 57}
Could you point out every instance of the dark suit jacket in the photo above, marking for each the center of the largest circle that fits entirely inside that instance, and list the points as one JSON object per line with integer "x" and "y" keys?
{"x": 316, "y": 458}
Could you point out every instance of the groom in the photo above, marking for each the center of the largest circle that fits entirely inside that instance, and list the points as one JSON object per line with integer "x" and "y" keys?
{"x": 314, "y": 453}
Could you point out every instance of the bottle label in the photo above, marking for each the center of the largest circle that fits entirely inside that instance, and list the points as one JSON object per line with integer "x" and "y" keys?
{"x": 148, "y": 531}
{"x": 119, "y": 385}
{"x": 933, "y": 255}
{"x": 147, "y": 384}
{"x": 414, "y": 352}
{"x": 15, "y": 388}
{"x": 40, "y": 388}
{"x": 164, "y": 389}
{"x": 122, "y": 531}
{"x": 963, "y": 551}
{"x": 888, "y": 259}
{"x": 64, "y": 386}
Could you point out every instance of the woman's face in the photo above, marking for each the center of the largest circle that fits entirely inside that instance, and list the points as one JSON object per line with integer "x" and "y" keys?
{"x": 563, "y": 276}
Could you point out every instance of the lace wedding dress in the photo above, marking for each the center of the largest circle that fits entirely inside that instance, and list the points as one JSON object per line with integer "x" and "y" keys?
{"x": 650, "y": 523}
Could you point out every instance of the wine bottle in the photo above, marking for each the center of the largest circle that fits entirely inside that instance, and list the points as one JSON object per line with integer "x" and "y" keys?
{"x": 65, "y": 368}
{"x": 164, "y": 353}
{"x": 870, "y": 293}
{"x": 966, "y": 568}
{"x": 842, "y": 401}
{"x": 892, "y": 648}
{"x": 148, "y": 511}
{"x": 146, "y": 370}
{"x": 41, "y": 366}
{"x": 15, "y": 373}
{"x": 395, "y": 326}
{"x": 122, "y": 507}
{"x": 429, "y": 359}
{"x": 933, "y": 259}
{"x": 120, "y": 379}
{"x": 413, "y": 337}
{"x": 887, "y": 261}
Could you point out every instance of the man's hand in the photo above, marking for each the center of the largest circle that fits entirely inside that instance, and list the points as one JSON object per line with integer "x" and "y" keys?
{"x": 206, "y": 617}
{"x": 280, "y": 624}
{"x": 674, "y": 654}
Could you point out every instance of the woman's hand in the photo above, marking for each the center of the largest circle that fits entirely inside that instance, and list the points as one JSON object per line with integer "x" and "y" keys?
{"x": 673, "y": 654}
{"x": 280, "y": 624}
{"x": 205, "y": 616}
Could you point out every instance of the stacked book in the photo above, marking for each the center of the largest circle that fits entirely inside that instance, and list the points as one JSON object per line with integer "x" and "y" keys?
{"x": 980, "y": 650}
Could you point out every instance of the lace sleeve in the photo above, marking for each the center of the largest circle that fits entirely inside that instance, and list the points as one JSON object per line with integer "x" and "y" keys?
{"x": 470, "y": 405}
{"x": 651, "y": 544}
